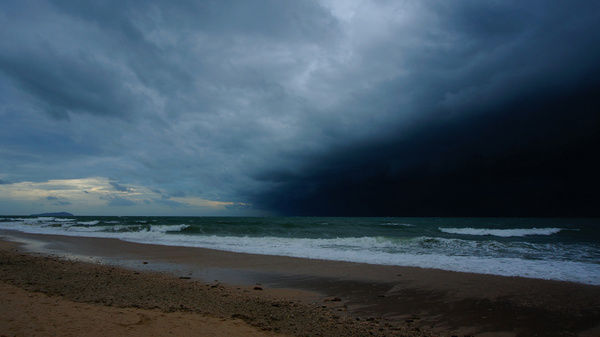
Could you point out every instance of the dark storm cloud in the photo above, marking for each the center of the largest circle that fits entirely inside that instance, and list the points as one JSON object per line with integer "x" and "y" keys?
{"x": 307, "y": 107}
{"x": 176, "y": 91}
{"x": 82, "y": 81}
{"x": 117, "y": 19}
{"x": 509, "y": 165}
{"x": 67, "y": 72}
{"x": 66, "y": 84}
{"x": 516, "y": 134}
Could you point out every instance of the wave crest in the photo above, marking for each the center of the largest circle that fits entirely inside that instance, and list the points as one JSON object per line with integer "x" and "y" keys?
{"x": 505, "y": 233}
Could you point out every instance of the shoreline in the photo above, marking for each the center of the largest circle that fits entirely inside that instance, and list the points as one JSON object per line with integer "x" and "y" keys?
{"x": 213, "y": 309}
{"x": 408, "y": 297}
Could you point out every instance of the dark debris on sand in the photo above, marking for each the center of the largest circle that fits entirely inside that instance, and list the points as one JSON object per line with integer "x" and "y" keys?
{"x": 118, "y": 287}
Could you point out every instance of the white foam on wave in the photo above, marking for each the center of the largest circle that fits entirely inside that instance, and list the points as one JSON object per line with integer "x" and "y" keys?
{"x": 47, "y": 226}
{"x": 85, "y": 228}
{"x": 501, "y": 232}
{"x": 372, "y": 251}
{"x": 88, "y": 223}
{"x": 168, "y": 228}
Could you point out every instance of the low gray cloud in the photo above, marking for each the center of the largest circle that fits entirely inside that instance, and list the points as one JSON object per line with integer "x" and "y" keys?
{"x": 175, "y": 194}
{"x": 238, "y": 206}
{"x": 169, "y": 203}
{"x": 178, "y": 194}
{"x": 118, "y": 187}
{"x": 59, "y": 201}
{"x": 117, "y": 201}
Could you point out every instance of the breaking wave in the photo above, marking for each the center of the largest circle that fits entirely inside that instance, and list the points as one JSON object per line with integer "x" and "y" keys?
{"x": 505, "y": 233}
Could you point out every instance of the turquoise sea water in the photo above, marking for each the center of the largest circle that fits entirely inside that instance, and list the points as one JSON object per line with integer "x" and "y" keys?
{"x": 560, "y": 249}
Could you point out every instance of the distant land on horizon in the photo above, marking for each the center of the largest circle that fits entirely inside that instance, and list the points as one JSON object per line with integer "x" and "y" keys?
{"x": 53, "y": 214}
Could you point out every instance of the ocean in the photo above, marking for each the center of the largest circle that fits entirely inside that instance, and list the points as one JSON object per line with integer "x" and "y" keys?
{"x": 566, "y": 249}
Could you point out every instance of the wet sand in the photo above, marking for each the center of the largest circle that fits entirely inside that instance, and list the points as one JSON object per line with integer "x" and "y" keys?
{"x": 327, "y": 297}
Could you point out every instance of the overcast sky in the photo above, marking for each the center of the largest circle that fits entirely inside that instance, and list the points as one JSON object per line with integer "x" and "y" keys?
{"x": 331, "y": 107}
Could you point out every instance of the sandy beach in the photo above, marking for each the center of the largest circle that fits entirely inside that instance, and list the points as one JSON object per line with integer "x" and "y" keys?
{"x": 26, "y": 313}
{"x": 58, "y": 285}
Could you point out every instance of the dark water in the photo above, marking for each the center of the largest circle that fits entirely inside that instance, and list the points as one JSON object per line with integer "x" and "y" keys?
{"x": 561, "y": 249}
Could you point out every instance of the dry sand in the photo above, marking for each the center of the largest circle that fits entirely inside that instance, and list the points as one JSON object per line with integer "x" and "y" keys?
{"x": 25, "y": 313}
{"x": 294, "y": 296}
